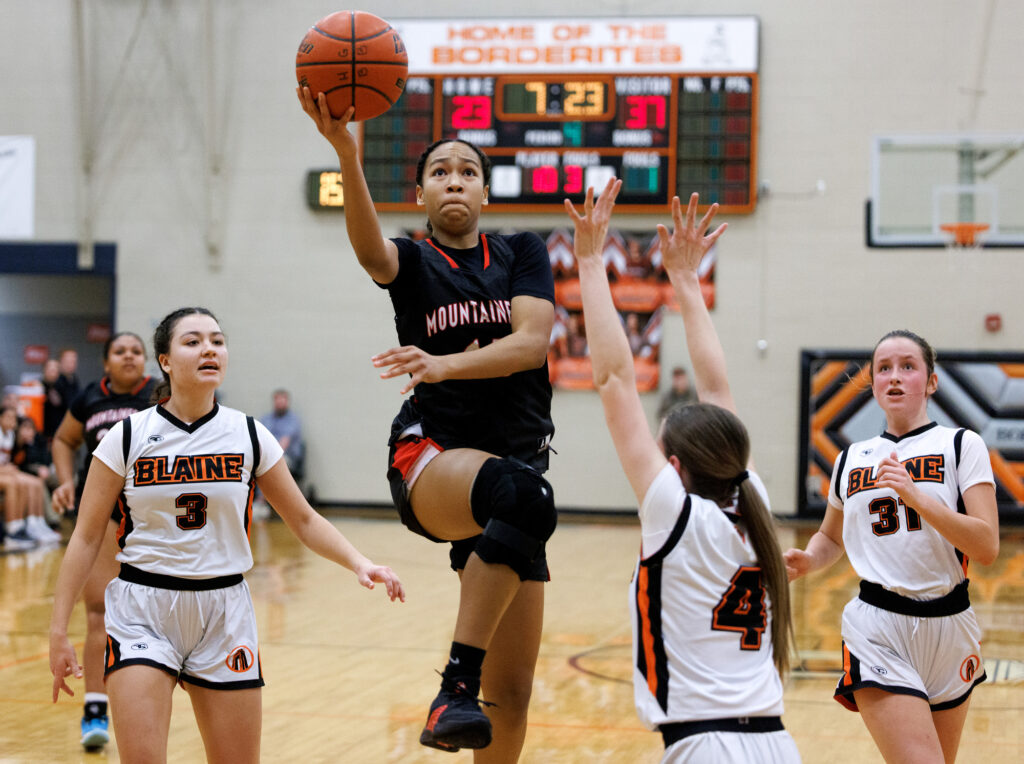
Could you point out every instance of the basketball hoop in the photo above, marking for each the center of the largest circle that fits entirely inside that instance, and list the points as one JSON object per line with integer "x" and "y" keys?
{"x": 964, "y": 235}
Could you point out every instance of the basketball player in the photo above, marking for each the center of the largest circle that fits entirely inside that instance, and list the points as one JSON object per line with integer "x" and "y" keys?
{"x": 184, "y": 473}
{"x": 474, "y": 314}
{"x": 711, "y": 621}
{"x": 910, "y": 507}
{"x": 124, "y": 389}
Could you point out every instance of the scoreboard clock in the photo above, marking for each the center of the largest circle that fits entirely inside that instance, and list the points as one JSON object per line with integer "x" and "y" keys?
{"x": 668, "y": 105}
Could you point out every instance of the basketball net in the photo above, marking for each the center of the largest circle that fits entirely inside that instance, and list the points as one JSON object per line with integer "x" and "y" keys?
{"x": 963, "y": 239}
{"x": 964, "y": 235}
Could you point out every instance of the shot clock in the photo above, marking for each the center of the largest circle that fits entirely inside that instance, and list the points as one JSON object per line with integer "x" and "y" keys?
{"x": 665, "y": 124}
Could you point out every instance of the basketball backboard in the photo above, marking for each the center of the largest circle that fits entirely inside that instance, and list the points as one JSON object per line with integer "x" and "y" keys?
{"x": 923, "y": 186}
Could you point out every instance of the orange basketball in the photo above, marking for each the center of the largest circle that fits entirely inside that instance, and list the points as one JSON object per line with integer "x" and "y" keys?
{"x": 356, "y": 58}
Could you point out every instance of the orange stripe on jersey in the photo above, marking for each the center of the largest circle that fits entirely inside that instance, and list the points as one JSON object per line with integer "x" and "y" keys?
{"x": 643, "y": 601}
{"x": 248, "y": 511}
{"x": 121, "y": 529}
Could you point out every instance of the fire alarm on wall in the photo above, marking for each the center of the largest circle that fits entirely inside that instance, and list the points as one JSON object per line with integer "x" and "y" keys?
{"x": 993, "y": 322}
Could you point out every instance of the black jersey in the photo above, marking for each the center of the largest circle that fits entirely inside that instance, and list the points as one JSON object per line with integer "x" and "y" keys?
{"x": 99, "y": 408}
{"x": 447, "y": 300}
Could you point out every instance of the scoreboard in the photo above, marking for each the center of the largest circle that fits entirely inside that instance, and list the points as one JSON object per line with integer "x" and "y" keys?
{"x": 668, "y": 106}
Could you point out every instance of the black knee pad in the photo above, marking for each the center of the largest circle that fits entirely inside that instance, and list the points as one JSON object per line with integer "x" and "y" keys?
{"x": 516, "y": 508}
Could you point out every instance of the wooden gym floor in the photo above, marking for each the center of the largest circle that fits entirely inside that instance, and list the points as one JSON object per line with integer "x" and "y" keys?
{"x": 350, "y": 675}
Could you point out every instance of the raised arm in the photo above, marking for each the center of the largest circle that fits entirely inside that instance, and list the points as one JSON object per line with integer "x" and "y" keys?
{"x": 610, "y": 356}
{"x": 682, "y": 252}
{"x": 377, "y": 255}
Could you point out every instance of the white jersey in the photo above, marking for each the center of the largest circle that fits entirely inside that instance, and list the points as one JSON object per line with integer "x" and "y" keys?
{"x": 702, "y": 646}
{"x": 188, "y": 489}
{"x": 887, "y": 542}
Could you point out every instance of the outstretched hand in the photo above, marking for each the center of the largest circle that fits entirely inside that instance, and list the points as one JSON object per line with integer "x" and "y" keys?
{"x": 683, "y": 250}
{"x": 592, "y": 226}
{"x": 420, "y": 365}
{"x": 334, "y": 130}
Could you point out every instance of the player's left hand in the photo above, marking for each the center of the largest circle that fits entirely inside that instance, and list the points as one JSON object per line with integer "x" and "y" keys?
{"x": 409, "y": 359}
{"x": 382, "y": 574}
{"x": 893, "y": 475}
{"x": 592, "y": 225}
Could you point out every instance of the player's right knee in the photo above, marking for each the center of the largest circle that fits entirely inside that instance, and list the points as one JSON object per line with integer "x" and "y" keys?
{"x": 515, "y": 506}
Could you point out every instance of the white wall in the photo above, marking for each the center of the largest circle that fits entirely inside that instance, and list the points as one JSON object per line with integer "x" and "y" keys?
{"x": 300, "y": 313}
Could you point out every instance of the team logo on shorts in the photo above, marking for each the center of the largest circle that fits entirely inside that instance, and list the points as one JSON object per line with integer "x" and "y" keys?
{"x": 140, "y": 646}
{"x": 879, "y": 670}
{"x": 969, "y": 667}
{"x": 240, "y": 659}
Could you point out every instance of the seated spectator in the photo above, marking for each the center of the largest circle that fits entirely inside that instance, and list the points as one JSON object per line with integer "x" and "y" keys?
{"x": 31, "y": 453}
{"x": 15, "y": 486}
{"x": 32, "y": 456}
{"x": 15, "y": 537}
{"x": 32, "y": 488}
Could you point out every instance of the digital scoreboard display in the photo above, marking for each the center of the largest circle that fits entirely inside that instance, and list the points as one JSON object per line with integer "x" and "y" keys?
{"x": 668, "y": 106}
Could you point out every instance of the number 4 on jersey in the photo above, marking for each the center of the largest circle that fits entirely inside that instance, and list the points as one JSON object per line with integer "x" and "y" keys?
{"x": 742, "y": 608}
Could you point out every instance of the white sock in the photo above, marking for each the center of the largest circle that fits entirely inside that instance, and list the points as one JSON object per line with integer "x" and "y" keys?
{"x": 14, "y": 526}
{"x": 95, "y": 697}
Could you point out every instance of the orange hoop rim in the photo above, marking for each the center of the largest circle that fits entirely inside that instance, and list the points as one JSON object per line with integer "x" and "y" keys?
{"x": 965, "y": 234}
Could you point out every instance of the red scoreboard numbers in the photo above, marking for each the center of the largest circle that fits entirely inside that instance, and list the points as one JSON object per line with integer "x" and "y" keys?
{"x": 644, "y": 111}
{"x": 550, "y": 137}
{"x": 471, "y": 112}
{"x": 668, "y": 105}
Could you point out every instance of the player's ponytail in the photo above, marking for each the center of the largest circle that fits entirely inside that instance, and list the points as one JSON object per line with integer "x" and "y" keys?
{"x": 761, "y": 532}
{"x": 713, "y": 445}
{"x": 162, "y": 344}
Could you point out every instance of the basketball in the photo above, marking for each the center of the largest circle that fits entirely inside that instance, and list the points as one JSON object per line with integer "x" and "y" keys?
{"x": 354, "y": 58}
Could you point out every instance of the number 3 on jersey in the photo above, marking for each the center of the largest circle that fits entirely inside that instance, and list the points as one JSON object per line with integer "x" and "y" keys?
{"x": 742, "y": 608}
{"x": 194, "y": 516}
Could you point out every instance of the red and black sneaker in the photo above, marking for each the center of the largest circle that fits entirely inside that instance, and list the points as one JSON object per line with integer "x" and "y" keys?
{"x": 455, "y": 720}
